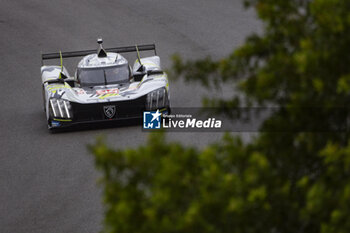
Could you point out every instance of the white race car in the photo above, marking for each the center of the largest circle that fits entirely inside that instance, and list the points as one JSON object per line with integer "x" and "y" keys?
{"x": 104, "y": 86}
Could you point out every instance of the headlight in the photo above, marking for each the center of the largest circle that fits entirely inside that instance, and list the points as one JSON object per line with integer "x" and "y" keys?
{"x": 61, "y": 108}
{"x": 157, "y": 99}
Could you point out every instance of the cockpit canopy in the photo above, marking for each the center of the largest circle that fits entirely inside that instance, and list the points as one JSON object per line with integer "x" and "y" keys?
{"x": 108, "y": 75}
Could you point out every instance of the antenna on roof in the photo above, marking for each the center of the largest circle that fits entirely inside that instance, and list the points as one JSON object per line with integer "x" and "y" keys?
{"x": 101, "y": 52}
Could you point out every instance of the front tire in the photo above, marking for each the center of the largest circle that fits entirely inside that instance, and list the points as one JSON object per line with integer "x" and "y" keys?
{"x": 44, "y": 99}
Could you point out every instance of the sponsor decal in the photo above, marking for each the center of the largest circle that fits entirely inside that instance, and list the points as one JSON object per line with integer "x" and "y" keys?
{"x": 55, "y": 124}
{"x": 80, "y": 91}
{"x": 151, "y": 120}
{"x": 107, "y": 96}
{"x": 107, "y": 91}
{"x": 109, "y": 111}
{"x": 102, "y": 94}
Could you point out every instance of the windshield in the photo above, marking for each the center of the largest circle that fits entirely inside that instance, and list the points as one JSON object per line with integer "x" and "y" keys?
{"x": 103, "y": 75}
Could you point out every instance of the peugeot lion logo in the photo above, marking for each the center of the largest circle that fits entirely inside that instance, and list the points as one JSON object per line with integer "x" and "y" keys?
{"x": 109, "y": 111}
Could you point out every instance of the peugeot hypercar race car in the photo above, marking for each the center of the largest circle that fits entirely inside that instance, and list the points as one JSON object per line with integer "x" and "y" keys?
{"x": 104, "y": 87}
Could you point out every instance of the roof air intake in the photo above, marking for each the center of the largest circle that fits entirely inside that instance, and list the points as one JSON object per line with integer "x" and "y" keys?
{"x": 101, "y": 52}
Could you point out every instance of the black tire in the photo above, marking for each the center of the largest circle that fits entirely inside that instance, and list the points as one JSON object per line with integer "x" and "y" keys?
{"x": 44, "y": 99}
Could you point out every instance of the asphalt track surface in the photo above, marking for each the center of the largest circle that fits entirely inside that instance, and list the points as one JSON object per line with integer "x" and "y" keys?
{"x": 48, "y": 181}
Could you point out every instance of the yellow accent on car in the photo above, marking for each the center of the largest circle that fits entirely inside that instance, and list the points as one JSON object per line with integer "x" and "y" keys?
{"x": 147, "y": 63}
{"x": 61, "y": 60}
{"x": 108, "y": 95}
{"x": 62, "y": 119}
{"x": 53, "y": 88}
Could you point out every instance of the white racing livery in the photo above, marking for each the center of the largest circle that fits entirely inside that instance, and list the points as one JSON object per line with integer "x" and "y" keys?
{"x": 104, "y": 86}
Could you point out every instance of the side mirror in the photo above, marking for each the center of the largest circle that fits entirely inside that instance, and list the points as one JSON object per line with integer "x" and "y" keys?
{"x": 63, "y": 76}
{"x": 141, "y": 69}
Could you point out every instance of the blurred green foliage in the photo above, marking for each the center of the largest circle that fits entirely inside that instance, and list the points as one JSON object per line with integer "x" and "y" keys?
{"x": 279, "y": 182}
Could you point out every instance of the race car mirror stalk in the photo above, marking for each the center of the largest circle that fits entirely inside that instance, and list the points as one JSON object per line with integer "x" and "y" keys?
{"x": 101, "y": 89}
{"x": 142, "y": 67}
